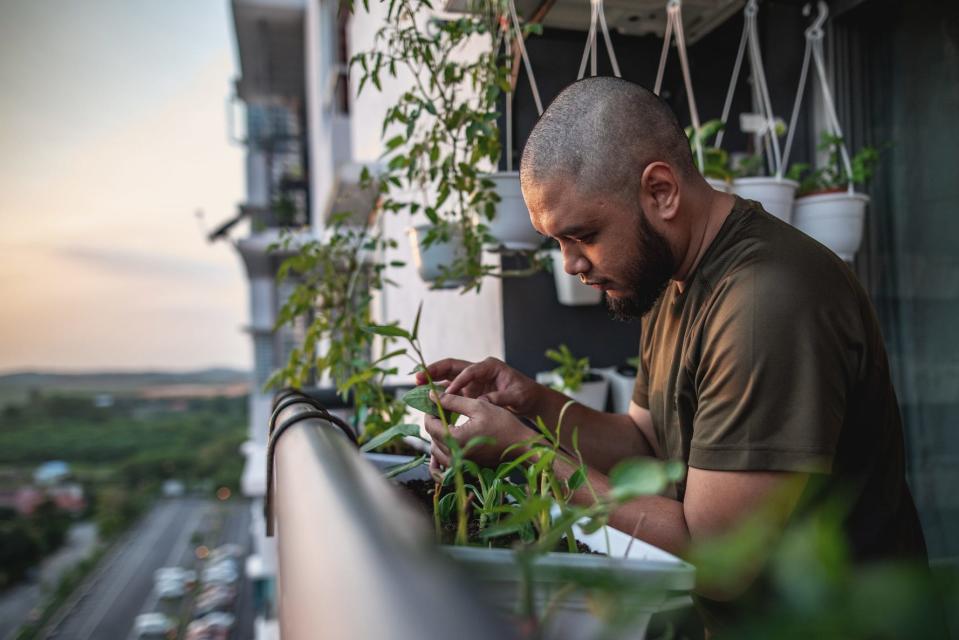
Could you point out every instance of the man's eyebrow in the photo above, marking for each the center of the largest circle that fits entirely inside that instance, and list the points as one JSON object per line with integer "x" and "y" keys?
{"x": 573, "y": 231}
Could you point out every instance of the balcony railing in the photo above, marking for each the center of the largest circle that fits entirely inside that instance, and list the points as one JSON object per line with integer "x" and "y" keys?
{"x": 355, "y": 561}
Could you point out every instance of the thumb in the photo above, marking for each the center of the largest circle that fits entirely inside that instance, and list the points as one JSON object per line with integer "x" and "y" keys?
{"x": 460, "y": 404}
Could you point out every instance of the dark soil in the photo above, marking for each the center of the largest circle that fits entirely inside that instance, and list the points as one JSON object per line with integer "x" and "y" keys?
{"x": 422, "y": 493}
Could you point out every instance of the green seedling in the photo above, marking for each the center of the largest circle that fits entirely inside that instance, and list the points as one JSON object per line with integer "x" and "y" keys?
{"x": 571, "y": 372}
{"x": 833, "y": 175}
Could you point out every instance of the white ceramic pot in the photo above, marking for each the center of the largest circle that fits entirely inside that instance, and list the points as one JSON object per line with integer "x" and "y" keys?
{"x": 720, "y": 185}
{"x": 776, "y": 195}
{"x": 570, "y": 289}
{"x": 621, "y": 385}
{"x": 591, "y": 393}
{"x": 834, "y": 219}
{"x": 512, "y": 227}
{"x": 430, "y": 260}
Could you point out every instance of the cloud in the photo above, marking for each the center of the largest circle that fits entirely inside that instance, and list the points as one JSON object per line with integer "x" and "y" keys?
{"x": 140, "y": 263}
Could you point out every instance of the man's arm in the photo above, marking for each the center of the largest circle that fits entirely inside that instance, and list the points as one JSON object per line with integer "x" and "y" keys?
{"x": 716, "y": 503}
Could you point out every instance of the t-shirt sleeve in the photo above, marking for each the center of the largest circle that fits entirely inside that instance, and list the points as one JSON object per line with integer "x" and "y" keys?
{"x": 779, "y": 356}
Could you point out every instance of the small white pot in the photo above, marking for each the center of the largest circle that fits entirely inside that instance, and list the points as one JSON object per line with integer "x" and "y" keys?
{"x": 720, "y": 185}
{"x": 775, "y": 194}
{"x": 429, "y": 260}
{"x": 591, "y": 393}
{"x": 834, "y": 219}
{"x": 570, "y": 289}
{"x": 621, "y": 387}
{"x": 512, "y": 227}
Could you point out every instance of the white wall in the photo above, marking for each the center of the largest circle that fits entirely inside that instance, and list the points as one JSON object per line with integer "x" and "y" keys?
{"x": 467, "y": 326}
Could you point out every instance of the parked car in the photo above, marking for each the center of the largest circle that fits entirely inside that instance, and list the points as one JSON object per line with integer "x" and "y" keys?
{"x": 170, "y": 588}
{"x": 153, "y": 625}
{"x": 199, "y": 630}
{"x": 219, "y": 619}
{"x": 214, "y": 598}
{"x": 187, "y": 576}
{"x": 224, "y": 572}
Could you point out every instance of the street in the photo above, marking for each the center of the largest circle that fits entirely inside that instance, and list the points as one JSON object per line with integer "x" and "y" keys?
{"x": 107, "y": 603}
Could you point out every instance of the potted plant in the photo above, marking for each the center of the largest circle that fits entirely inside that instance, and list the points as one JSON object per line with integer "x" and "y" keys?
{"x": 573, "y": 377}
{"x": 510, "y": 227}
{"x": 435, "y": 249}
{"x": 716, "y": 165}
{"x": 776, "y": 193}
{"x": 828, "y": 207}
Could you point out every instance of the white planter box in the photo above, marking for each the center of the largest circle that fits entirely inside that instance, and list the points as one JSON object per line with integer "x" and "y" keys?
{"x": 834, "y": 219}
{"x": 656, "y": 580}
{"x": 440, "y": 254}
{"x": 591, "y": 393}
{"x": 621, "y": 387}
{"x": 776, "y": 196}
{"x": 511, "y": 226}
{"x": 570, "y": 290}
{"x": 720, "y": 185}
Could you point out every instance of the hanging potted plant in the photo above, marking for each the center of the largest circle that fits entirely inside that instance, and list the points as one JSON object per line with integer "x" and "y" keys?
{"x": 622, "y": 381}
{"x": 510, "y": 227}
{"x": 443, "y": 130}
{"x": 715, "y": 166}
{"x": 829, "y": 209}
{"x": 573, "y": 377}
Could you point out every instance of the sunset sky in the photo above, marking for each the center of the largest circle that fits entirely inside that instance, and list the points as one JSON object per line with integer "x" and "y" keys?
{"x": 112, "y": 136}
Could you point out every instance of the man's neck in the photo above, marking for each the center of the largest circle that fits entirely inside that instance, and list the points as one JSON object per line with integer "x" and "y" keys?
{"x": 717, "y": 207}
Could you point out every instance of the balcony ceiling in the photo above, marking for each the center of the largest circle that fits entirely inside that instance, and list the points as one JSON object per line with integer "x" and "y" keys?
{"x": 269, "y": 37}
{"x": 628, "y": 17}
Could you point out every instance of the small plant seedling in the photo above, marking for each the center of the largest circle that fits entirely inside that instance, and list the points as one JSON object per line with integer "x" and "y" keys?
{"x": 571, "y": 372}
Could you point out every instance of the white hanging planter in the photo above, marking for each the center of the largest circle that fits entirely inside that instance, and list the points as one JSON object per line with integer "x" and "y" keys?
{"x": 570, "y": 289}
{"x": 775, "y": 194}
{"x": 720, "y": 185}
{"x": 622, "y": 381}
{"x": 429, "y": 261}
{"x": 834, "y": 219}
{"x": 591, "y": 393}
{"x": 512, "y": 227}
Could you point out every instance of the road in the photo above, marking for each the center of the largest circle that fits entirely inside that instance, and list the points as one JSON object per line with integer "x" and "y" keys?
{"x": 106, "y": 605}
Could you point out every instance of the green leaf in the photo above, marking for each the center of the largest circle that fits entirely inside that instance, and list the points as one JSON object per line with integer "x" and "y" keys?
{"x": 578, "y": 479}
{"x": 447, "y": 507}
{"x": 388, "y": 330}
{"x": 401, "y": 468}
{"x": 416, "y": 323}
{"x": 642, "y": 477}
{"x": 394, "y": 432}
{"x": 419, "y": 398}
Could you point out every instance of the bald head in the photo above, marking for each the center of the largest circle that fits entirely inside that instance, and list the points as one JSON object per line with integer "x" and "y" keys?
{"x": 600, "y": 134}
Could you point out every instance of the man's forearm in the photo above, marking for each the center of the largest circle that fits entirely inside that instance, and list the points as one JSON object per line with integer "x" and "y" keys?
{"x": 657, "y": 520}
{"x": 604, "y": 438}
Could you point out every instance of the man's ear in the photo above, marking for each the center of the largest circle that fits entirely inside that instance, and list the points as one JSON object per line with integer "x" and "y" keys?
{"x": 661, "y": 190}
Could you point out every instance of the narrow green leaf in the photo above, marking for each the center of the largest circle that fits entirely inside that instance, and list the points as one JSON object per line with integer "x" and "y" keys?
{"x": 388, "y": 330}
{"x": 401, "y": 468}
{"x": 394, "y": 432}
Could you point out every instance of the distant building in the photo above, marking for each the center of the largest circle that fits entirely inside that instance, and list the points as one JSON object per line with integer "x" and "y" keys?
{"x": 51, "y": 472}
{"x": 25, "y": 500}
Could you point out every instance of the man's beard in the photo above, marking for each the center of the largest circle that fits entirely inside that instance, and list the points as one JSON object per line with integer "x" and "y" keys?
{"x": 647, "y": 275}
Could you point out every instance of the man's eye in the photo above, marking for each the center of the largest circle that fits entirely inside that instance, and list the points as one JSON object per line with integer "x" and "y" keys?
{"x": 586, "y": 239}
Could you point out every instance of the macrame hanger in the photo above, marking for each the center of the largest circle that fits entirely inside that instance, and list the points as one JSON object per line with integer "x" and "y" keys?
{"x": 514, "y": 19}
{"x": 814, "y": 51}
{"x": 674, "y": 23}
{"x": 597, "y": 15}
{"x": 750, "y": 41}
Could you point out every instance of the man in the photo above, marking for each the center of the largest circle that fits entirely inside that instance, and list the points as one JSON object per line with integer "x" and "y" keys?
{"x": 762, "y": 364}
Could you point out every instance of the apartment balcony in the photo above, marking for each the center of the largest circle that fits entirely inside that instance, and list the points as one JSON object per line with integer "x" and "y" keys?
{"x": 270, "y": 41}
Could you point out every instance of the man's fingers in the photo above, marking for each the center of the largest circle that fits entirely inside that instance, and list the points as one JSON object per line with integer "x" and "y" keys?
{"x": 475, "y": 373}
{"x": 445, "y": 369}
{"x": 436, "y": 469}
{"x": 436, "y": 430}
{"x": 439, "y": 458}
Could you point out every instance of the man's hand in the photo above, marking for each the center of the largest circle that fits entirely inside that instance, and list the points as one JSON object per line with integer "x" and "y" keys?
{"x": 492, "y": 380}
{"x": 485, "y": 419}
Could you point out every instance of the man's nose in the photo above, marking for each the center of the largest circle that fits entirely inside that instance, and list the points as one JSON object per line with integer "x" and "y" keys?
{"x": 574, "y": 263}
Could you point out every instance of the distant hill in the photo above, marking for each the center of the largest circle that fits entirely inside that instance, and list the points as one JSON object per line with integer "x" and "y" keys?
{"x": 14, "y": 387}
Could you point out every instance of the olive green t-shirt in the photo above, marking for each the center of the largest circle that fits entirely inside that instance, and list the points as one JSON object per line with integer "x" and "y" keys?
{"x": 772, "y": 359}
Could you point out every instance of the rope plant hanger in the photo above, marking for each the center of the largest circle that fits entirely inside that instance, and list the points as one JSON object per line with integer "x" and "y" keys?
{"x": 514, "y": 19}
{"x": 597, "y": 14}
{"x": 814, "y": 50}
{"x": 674, "y": 25}
{"x": 750, "y": 40}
